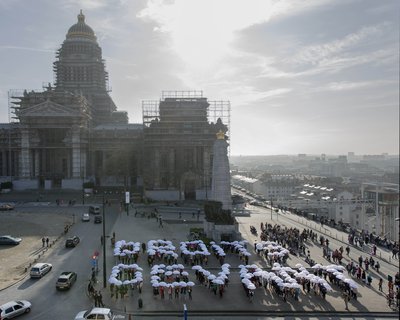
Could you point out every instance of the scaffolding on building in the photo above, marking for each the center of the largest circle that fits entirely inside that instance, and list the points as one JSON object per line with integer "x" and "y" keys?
{"x": 182, "y": 94}
{"x": 217, "y": 109}
{"x": 14, "y": 96}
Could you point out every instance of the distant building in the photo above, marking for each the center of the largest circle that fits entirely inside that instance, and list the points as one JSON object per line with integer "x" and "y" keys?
{"x": 381, "y": 212}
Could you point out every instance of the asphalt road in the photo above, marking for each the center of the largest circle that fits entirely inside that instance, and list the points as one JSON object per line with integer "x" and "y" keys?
{"x": 47, "y": 302}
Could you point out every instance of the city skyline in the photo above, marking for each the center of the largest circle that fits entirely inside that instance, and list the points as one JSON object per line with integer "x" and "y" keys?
{"x": 302, "y": 77}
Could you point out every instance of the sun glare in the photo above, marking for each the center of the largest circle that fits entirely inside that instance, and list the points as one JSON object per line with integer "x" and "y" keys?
{"x": 201, "y": 31}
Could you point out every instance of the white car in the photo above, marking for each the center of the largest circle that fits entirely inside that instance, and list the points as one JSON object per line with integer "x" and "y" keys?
{"x": 85, "y": 217}
{"x": 95, "y": 313}
{"x": 40, "y": 269}
{"x": 14, "y": 308}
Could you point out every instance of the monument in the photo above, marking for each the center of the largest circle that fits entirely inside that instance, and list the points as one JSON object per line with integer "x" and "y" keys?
{"x": 221, "y": 178}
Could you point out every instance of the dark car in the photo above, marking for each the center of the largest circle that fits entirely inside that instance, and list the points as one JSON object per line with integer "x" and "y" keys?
{"x": 9, "y": 240}
{"x": 72, "y": 242}
{"x": 98, "y": 219}
{"x": 66, "y": 280}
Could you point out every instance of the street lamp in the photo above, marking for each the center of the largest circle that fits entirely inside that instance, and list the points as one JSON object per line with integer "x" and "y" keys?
{"x": 270, "y": 203}
{"x": 104, "y": 242}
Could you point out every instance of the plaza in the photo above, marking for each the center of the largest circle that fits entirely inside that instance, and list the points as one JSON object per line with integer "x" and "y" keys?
{"x": 177, "y": 222}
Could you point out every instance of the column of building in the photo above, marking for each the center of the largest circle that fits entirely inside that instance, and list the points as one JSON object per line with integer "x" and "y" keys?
{"x": 171, "y": 165}
{"x": 3, "y": 163}
{"x": 76, "y": 152}
{"x": 206, "y": 171}
{"x": 25, "y": 161}
{"x": 156, "y": 167}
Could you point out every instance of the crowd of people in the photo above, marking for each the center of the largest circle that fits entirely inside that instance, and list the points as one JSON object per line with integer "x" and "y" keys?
{"x": 125, "y": 278}
{"x": 172, "y": 280}
{"x": 278, "y": 242}
{"x": 161, "y": 251}
{"x": 235, "y": 247}
{"x": 126, "y": 252}
{"x": 215, "y": 283}
{"x": 194, "y": 252}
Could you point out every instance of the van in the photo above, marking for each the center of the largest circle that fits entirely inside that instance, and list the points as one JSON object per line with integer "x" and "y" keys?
{"x": 94, "y": 209}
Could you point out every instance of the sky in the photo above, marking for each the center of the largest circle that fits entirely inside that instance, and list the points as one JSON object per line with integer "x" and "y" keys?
{"x": 302, "y": 76}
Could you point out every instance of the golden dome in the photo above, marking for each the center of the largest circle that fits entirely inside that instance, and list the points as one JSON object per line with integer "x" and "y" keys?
{"x": 81, "y": 29}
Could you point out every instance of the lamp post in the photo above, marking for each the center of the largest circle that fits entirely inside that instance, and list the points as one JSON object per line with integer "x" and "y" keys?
{"x": 104, "y": 242}
{"x": 270, "y": 203}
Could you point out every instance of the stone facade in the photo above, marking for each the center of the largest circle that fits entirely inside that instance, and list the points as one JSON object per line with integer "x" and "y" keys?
{"x": 71, "y": 132}
{"x": 177, "y": 146}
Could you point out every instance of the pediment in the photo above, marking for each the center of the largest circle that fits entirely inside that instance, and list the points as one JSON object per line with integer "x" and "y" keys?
{"x": 46, "y": 109}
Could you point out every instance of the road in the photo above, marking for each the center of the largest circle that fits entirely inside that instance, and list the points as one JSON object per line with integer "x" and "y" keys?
{"x": 48, "y": 303}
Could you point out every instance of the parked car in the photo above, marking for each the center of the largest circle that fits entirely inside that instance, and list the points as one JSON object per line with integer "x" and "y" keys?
{"x": 6, "y": 207}
{"x": 7, "y": 239}
{"x": 66, "y": 280}
{"x": 72, "y": 242}
{"x": 14, "y": 308}
{"x": 40, "y": 269}
{"x": 85, "y": 217}
{"x": 95, "y": 313}
{"x": 94, "y": 209}
{"x": 98, "y": 219}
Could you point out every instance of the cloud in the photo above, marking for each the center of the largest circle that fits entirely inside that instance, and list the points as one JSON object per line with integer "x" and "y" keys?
{"x": 201, "y": 30}
{"x": 347, "y": 85}
{"x": 8, "y": 47}
{"x": 85, "y": 4}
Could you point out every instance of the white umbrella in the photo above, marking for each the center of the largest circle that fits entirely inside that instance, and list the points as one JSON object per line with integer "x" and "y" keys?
{"x": 163, "y": 284}
{"x": 168, "y": 273}
{"x": 182, "y": 284}
{"x": 155, "y": 278}
{"x": 227, "y": 265}
{"x": 190, "y": 283}
{"x": 251, "y": 286}
{"x": 298, "y": 265}
{"x": 155, "y": 284}
{"x": 184, "y": 273}
{"x": 118, "y": 282}
{"x": 219, "y": 281}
